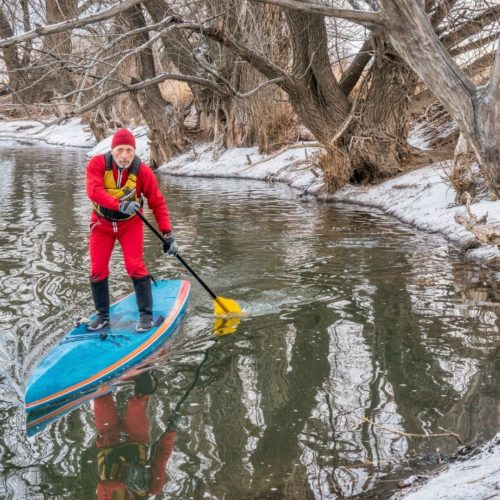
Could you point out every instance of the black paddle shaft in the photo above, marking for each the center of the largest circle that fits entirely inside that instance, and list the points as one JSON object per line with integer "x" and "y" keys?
{"x": 181, "y": 260}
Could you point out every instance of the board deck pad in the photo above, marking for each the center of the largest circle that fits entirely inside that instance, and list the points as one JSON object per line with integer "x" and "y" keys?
{"x": 82, "y": 360}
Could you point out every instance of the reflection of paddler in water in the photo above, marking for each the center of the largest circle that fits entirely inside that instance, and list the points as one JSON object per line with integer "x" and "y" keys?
{"x": 127, "y": 465}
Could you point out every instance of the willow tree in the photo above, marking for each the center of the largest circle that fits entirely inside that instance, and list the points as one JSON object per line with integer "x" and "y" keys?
{"x": 38, "y": 73}
{"x": 361, "y": 116}
{"x": 235, "y": 114}
{"x": 409, "y": 44}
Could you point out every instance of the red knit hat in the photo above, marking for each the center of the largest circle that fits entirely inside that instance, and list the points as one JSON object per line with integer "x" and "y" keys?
{"x": 123, "y": 137}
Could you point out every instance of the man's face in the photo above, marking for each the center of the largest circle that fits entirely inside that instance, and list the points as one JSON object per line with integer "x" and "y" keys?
{"x": 123, "y": 155}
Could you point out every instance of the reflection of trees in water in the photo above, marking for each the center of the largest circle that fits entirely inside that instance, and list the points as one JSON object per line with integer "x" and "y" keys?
{"x": 480, "y": 295}
{"x": 407, "y": 386}
{"x": 366, "y": 331}
{"x": 279, "y": 454}
{"x": 475, "y": 416}
{"x": 308, "y": 408}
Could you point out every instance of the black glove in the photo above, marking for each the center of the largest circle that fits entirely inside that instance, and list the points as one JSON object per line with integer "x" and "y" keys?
{"x": 129, "y": 207}
{"x": 169, "y": 244}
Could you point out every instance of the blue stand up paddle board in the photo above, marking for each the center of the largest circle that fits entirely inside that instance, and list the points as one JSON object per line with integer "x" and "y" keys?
{"x": 83, "y": 360}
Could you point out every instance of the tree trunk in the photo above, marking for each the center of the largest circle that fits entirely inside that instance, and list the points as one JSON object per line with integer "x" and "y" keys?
{"x": 60, "y": 80}
{"x": 10, "y": 57}
{"x": 314, "y": 93}
{"x": 377, "y": 143}
{"x": 166, "y": 126}
{"x": 258, "y": 118}
{"x": 487, "y": 108}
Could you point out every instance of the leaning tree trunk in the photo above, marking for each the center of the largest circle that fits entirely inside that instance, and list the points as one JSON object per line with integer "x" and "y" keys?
{"x": 475, "y": 110}
{"x": 314, "y": 93}
{"x": 487, "y": 110}
{"x": 365, "y": 143}
{"x": 166, "y": 128}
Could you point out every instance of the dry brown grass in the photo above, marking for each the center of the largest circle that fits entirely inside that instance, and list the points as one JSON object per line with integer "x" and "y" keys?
{"x": 468, "y": 181}
{"x": 462, "y": 180}
{"x": 277, "y": 126}
{"x": 336, "y": 166}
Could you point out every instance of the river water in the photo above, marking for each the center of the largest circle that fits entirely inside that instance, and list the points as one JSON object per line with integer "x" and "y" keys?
{"x": 360, "y": 331}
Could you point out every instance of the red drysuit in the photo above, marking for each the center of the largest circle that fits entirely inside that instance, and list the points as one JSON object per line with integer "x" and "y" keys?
{"x": 104, "y": 233}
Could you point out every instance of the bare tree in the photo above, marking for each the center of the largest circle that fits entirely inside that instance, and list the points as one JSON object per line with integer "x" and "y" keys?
{"x": 165, "y": 125}
{"x": 359, "y": 108}
{"x": 475, "y": 109}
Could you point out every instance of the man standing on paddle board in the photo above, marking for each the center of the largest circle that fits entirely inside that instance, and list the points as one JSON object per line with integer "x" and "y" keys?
{"x": 116, "y": 184}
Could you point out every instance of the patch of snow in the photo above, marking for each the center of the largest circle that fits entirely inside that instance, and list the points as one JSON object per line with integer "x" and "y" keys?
{"x": 424, "y": 199}
{"x": 293, "y": 166}
{"x": 70, "y": 134}
{"x": 416, "y": 137}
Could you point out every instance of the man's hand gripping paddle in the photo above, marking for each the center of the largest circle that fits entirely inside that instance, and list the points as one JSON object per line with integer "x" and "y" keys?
{"x": 227, "y": 310}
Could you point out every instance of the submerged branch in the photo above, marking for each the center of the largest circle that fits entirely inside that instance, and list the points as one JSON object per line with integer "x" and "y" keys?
{"x": 411, "y": 434}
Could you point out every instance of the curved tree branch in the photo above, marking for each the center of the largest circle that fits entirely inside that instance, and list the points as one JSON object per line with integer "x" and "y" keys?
{"x": 141, "y": 85}
{"x": 70, "y": 24}
{"x": 471, "y": 27}
{"x": 355, "y": 70}
{"x": 356, "y": 16}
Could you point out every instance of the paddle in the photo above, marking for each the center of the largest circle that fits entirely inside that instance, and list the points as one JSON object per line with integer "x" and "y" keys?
{"x": 222, "y": 306}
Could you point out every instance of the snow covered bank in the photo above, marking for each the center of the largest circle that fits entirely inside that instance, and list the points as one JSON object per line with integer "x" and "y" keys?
{"x": 421, "y": 198}
{"x": 470, "y": 477}
{"x": 424, "y": 199}
{"x": 69, "y": 134}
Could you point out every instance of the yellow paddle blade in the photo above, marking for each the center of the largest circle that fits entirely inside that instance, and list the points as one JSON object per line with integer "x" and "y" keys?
{"x": 226, "y": 307}
{"x": 225, "y": 326}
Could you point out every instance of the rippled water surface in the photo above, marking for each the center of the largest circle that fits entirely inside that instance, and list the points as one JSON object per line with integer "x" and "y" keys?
{"x": 360, "y": 332}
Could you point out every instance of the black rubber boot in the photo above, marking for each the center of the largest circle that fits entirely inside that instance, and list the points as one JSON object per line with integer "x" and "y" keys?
{"x": 100, "y": 294}
{"x": 144, "y": 298}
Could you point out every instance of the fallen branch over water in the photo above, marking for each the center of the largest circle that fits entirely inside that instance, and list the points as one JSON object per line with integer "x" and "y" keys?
{"x": 483, "y": 232}
{"x": 282, "y": 150}
{"x": 412, "y": 435}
